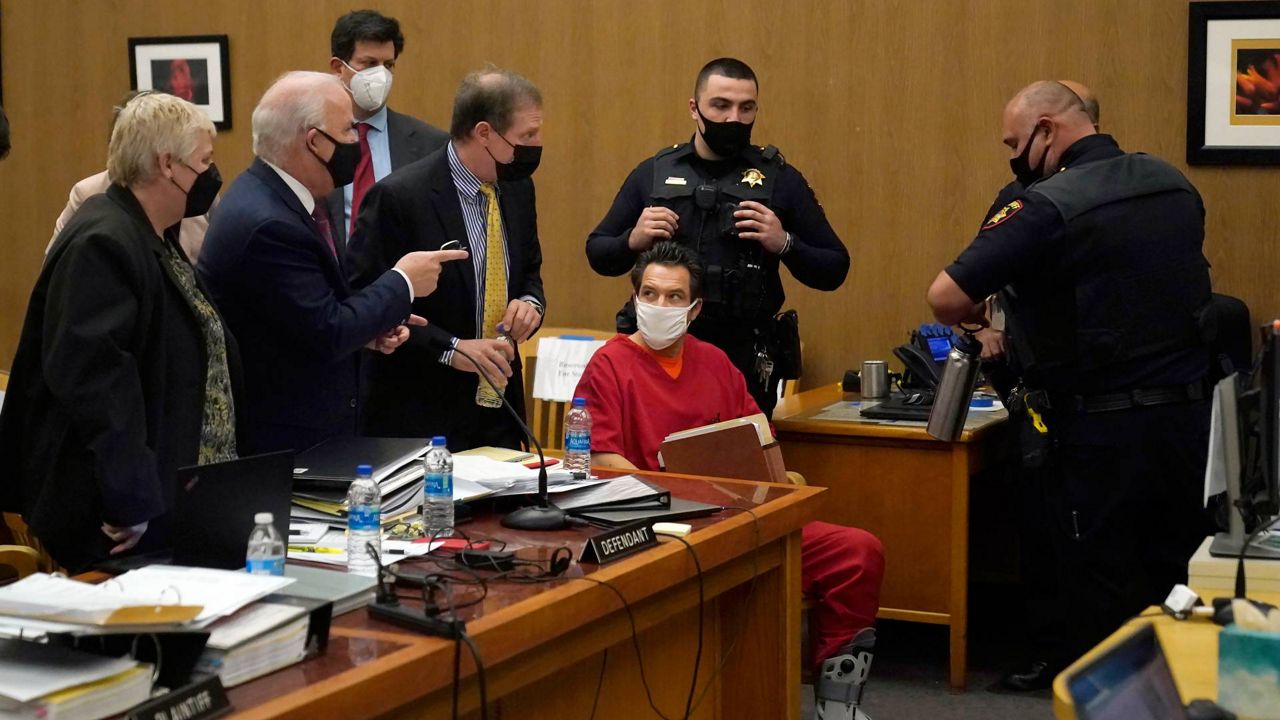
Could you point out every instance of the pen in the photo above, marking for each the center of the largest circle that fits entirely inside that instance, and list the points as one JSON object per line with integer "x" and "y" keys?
{"x": 316, "y": 549}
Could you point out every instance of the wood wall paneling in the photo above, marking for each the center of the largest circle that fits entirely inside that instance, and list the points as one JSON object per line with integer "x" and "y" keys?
{"x": 890, "y": 108}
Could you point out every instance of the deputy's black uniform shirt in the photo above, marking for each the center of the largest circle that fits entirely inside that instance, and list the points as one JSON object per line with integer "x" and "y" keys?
{"x": 1024, "y": 244}
{"x": 817, "y": 258}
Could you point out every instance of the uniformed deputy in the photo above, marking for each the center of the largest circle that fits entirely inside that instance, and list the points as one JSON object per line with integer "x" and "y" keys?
{"x": 744, "y": 210}
{"x": 1103, "y": 251}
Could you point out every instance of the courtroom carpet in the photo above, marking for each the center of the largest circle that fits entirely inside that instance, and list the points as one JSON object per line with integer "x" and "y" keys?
{"x": 909, "y": 675}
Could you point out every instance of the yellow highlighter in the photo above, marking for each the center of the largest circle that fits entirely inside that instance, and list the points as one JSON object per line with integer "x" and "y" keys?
{"x": 316, "y": 549}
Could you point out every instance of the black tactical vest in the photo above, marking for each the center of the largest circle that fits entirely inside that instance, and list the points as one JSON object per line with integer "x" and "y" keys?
{"x": 1132, "y": 279}
{"x": 735, "y": 270}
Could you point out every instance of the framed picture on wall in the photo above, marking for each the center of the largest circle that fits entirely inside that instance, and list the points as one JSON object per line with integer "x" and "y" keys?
{"x": 193, "y": 67}
{"x": 1233, "y": 83}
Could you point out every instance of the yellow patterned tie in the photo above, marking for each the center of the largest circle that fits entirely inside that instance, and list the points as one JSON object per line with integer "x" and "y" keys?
{"x": 495, "y": 266}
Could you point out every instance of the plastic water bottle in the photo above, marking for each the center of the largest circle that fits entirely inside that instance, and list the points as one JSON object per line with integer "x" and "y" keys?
{"x": 266, "y": 548}
{"x": 577, "y": 437}
{"x": 486, "y": 395}
{"x": 437, "y": 491}
{"x": 364, "y": 522}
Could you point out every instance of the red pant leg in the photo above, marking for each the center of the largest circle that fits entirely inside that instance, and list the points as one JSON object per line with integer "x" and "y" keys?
{"x": 841, "y": 569}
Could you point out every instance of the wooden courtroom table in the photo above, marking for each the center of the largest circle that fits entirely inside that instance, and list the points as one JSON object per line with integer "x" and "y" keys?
{"x": 910, "y": 490}
{"x": 1191, "y": 647}
{"x": 544, "y": 646}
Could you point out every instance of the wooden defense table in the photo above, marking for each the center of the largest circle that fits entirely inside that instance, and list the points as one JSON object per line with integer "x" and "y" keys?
{"x": 546, "y": 646}
{"x": 910, "y": 490}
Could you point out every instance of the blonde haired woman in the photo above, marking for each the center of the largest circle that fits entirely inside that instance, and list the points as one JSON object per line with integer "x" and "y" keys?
{"x": 124, "y": 369}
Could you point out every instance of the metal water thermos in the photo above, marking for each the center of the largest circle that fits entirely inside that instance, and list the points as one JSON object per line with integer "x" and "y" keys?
{"x": 951, "y": 404}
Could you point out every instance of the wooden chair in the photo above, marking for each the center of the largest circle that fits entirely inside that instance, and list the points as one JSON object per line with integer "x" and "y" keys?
{"x": 21, "y": 536}
{"x": 4, "y": 380}
{"x": 546, "y": 417}
{"x": 17, "y": 562}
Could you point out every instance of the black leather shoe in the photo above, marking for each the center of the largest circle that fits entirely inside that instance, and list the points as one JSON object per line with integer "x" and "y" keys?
{"x": 1037, "y": 675}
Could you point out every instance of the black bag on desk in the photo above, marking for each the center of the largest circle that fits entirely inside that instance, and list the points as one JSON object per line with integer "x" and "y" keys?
{"x": 787, "y": 362}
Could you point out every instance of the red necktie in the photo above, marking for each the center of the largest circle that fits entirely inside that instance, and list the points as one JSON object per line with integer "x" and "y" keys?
{"x": 321, "y": 216}
{"x": 364, "y": 176}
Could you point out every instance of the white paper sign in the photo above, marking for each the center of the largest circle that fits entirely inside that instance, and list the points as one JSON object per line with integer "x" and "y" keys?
{"x": 561, "y": 362}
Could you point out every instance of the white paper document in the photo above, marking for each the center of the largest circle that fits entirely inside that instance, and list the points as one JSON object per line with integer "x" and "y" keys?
{"x": 221, "y": 592}
{"x": 31, "y": 670}
{"x": 561, "y": 362}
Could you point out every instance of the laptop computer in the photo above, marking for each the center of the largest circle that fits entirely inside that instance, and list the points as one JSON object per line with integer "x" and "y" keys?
{"x": 214, "y": 512}
{"x": 1130, "y": 681}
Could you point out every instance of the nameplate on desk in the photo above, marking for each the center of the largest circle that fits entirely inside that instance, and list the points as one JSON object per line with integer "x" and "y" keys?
{"x": 205, "y": 698}
{"x": 619, "y": 543}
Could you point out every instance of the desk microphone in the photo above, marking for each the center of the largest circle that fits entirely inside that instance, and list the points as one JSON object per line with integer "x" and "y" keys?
{"x": 543, "y": 515}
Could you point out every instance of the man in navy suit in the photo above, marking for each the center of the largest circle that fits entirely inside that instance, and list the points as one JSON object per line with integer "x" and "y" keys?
{"x": 476, "y": 190}
{"x": 271, "y": 265}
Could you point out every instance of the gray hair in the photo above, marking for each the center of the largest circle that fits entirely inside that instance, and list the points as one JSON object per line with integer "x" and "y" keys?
{"x": 293, "y": 104}
{"x": 149, "y": 126}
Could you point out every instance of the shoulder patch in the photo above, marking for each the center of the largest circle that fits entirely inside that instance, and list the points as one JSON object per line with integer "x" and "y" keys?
{"x": 1004, "y": 213}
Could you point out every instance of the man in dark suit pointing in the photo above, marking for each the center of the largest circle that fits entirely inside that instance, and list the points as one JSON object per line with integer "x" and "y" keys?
{"x": 476, "y": 191}
{"x": 271, "y": 265}
{"x": 366, "y": 45}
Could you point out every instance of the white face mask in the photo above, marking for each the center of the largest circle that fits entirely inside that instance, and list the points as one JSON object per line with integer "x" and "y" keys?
{"x": 370, "y": 87}
{"x": 661, "y": 326}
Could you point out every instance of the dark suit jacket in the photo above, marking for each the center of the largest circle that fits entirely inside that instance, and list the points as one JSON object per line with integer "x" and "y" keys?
{"x": 300, "y": 326}
{"x": 410, "y": 393}
{"x": 409, "y": 140}
{"x": 107, "y": 394}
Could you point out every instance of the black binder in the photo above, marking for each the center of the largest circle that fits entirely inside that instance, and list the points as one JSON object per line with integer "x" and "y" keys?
{"x": 333, "y": 462}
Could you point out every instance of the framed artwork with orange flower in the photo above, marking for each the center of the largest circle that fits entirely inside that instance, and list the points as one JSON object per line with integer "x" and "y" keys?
{"x": 1233, "y": 83}
{"x": 192, "y": 67}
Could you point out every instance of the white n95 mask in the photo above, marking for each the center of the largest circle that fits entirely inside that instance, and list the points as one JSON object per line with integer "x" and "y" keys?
{"x": 370, "y": 87}
{"x": 661, "y": 326}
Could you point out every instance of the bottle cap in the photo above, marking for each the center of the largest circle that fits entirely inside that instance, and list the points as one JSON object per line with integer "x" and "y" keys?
{"x": 263, "y": 518}
{"x": 363, "y": 470}
{"x": 579, "y": 402}
{"x": 438, "y": 441}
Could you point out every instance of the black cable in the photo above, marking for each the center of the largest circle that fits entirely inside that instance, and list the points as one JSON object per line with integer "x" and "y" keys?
{"x": 746, "y": 616}
{"x": 604, "y": 663}
{"x": 480, "y": 679}
{"x": 1241, "y": 589}
{"x": 457, "y": 674}
{"x": 697, "y": 655}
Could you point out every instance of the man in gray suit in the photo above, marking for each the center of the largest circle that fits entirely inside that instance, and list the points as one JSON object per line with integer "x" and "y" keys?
{"x": 365, "y": 46}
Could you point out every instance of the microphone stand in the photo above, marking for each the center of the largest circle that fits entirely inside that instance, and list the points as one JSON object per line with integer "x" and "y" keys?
{"x": 543, "y": 515}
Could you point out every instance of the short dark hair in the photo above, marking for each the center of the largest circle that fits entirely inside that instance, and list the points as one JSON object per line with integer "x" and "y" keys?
{"x": 670, "y": 254}
{"x": 731, "y": 68}
{"x": 367, "y": 25}
{"x": 4, "y": 134}
{"x": 490, "y": 95}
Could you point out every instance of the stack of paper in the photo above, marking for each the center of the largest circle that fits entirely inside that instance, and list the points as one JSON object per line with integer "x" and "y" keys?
{"x": 53, "y": 603}
{"x": 508, "y": 478}
{"x": 242, "y": 650}
{"x": 58, "y": 683}
{"x": 325, "y": 472}
{"x": 219, "y": 592}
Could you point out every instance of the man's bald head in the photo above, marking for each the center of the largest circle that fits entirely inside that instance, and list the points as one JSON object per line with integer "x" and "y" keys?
{"x": 1042, "y": 121}
{"x": 295, "y": 102}
{"x": 1087, "y": 97}
{"x": 1048, "y": 98}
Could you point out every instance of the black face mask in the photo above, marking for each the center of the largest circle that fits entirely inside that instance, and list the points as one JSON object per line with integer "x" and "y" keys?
{"x": 342, "y": 163}
{"x": 202, "y": 192}
{"x": 1021, "y": 165}
{"x": 523, "y": 162}
{"x": 725, "y": 139}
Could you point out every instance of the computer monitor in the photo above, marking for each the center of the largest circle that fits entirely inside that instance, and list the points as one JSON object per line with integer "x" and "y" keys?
{"x": 1247, "y": 450}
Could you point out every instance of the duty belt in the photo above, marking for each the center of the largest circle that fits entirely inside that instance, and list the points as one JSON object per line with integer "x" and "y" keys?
{"x": 1140, "y": 397}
